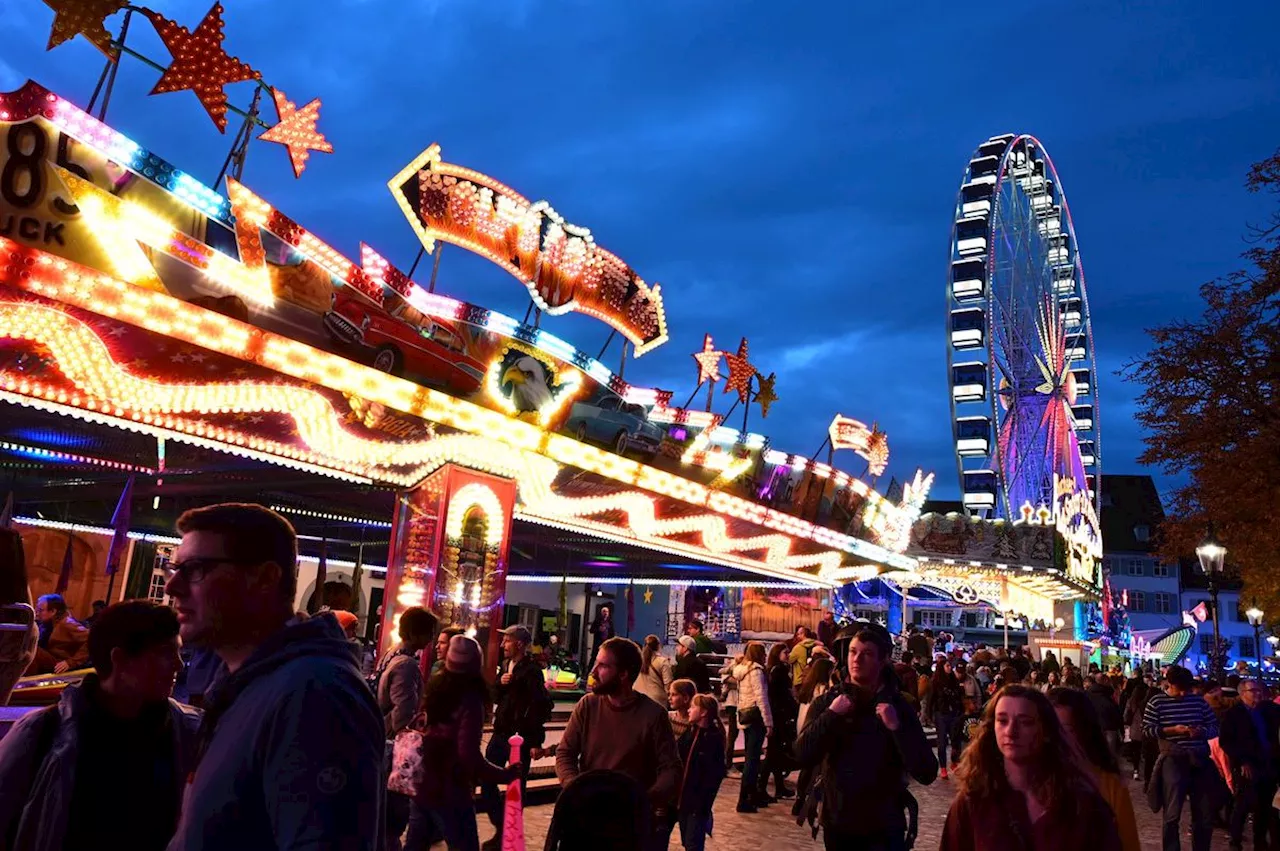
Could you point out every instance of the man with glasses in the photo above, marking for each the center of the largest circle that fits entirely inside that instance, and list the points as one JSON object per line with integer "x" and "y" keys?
{"x": 1250, "y": 737}
{"x": 291, "y": 748}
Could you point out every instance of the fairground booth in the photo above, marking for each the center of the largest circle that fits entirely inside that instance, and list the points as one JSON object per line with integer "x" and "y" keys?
{"x": 167, "y": 342}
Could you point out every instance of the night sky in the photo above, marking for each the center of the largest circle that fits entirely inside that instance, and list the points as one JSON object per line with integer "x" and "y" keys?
{"x": 787, "y": 172}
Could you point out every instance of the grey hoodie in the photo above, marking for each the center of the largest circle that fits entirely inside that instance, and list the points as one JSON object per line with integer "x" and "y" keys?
{"x": 291, "y": 751}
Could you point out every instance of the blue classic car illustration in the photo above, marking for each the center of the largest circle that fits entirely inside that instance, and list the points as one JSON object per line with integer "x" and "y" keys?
{"x": 619, "y": 425}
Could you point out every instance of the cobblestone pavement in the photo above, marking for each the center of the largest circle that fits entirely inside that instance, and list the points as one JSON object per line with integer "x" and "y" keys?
{"x": 773, "y": 827}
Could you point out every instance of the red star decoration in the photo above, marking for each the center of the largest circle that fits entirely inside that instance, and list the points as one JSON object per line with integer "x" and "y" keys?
{"x": 740, "y": 372}
{"x": 708, "y": 361}
{"x": 199, "y": 62}
{"x": 83, "y": 17}
{"x": 297, "y": 131}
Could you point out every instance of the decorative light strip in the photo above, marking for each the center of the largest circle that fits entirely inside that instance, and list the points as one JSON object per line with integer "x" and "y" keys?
{"x": 322, "y": 515}
{"x": 58, "y": 455}
{"x": 95, "y": 530}
{"x": 182, "y": 437}
{"x": 33, "y": 99}
{"x": 336, "y": 562}
{"x": 640, "y": 580}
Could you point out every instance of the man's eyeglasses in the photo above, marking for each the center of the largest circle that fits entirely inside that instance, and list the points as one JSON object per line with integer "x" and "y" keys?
{"x": 194, "y": 570}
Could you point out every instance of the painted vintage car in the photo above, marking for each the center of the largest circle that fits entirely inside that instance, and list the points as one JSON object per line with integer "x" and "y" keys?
{"x": 618, "y": 425}
{"x": 431, "y": 352}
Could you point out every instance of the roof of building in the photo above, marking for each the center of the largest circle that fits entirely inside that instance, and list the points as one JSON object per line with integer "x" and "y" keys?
{"x": 1130, "y": 502}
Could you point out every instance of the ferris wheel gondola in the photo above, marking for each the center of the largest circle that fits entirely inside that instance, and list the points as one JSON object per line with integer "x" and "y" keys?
{"x": 1024, "y": 390}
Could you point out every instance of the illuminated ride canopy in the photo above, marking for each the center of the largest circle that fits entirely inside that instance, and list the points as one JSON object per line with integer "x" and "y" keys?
{"x": 132, "y": 296}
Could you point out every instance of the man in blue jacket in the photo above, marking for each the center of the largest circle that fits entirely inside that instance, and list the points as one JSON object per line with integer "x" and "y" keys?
{"x": 291, "y": 748}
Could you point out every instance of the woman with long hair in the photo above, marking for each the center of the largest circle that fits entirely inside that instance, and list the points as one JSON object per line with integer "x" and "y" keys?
{"x": 947, "y": 699}
{"x": 729, "y": 686}
{"x": 1080, "y": 723}
{"x": 817, "y": 679}
{"x": 1023, "y": 785}
{"x": 1133, "y": 709}
{"x": 782, "y": 700}
{"x": 755, "y": 717}
{"x": 701, "y": 747}
{"x": 455, "y": 703}
{"x": 654, "y": 679}
{"x": 1050, "y": 682}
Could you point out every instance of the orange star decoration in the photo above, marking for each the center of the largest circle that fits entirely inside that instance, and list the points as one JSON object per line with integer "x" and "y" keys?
{"x": 708, "y": 361}
{"x": 765, "y": 395}
{"x": 740, "y": 372}
{"x": 82, "y": 17}
{"x": 199, "y": 62}
{"x": 297, "y": 131}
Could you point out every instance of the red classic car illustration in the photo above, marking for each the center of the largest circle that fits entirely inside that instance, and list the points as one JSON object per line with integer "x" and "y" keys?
{"x": 431, "y": 352}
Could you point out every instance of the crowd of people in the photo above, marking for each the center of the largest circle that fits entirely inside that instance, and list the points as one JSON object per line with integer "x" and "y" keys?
{"x": 289, "y": 744}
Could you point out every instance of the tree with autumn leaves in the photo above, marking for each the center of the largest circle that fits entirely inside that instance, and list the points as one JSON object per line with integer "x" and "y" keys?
{"x": 1212, "y": 415}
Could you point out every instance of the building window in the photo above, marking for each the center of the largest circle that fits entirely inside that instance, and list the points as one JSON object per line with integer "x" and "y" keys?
{"x": 1137, "y": 601}
{"x": 1163, "y": 603}
{"x": 1247, "y": 650}
{"x": 1136, "y": 567}
{"x": 1162, "y": 571}
{"x": 1142, "y": 533}
{"x": 1206, "y": 642}
{"x": 932, "y": 617}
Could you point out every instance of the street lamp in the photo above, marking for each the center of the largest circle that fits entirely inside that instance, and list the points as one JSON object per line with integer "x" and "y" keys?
{"x": 1212, "y": 557}
{"x": 1254, "y": 614}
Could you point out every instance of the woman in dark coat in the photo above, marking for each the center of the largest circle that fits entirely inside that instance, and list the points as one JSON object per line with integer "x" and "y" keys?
{"x": 782, "y": 699}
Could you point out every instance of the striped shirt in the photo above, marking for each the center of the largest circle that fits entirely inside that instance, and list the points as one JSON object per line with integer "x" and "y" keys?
{"x": 1190, "y": 709}
{"x": 678, "y": 725}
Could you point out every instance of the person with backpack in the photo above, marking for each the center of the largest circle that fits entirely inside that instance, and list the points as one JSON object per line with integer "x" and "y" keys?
{"x": 867, "y": 740}
{"x": 74, "y": 775}
{"x": 523, "y": 708}
{"x": 397, "y": 684}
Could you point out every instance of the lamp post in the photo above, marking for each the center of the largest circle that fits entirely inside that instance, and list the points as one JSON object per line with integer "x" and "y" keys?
{"x": 1254, "y": 614}
{"x": 1212, "y": 557}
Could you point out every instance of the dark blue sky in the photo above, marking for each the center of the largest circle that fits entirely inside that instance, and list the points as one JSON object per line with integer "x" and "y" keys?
{"x": 786, "y": 171}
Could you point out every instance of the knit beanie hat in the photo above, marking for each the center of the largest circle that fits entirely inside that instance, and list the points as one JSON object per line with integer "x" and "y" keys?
{"x": 463, "y": 656}
{"x": 688, "y": 643}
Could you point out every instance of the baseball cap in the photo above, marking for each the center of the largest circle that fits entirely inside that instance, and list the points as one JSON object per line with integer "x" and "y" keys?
{"x": 519, "y": 633}
{"x": 688, "y": 642}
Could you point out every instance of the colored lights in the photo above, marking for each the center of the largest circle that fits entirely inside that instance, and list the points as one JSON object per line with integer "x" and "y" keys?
{"x": 297, "y": 131}
{"x": 740, "y": 372}
{"x": 870, "y": 443}
{"x": 559, "y": 263}
{"x": 476, "y": 495}
{"x": 199, "y": 62}
{"x": 70, "y": 457}
{"x": 708, "y": 361}
{"x": 82, "y": 17}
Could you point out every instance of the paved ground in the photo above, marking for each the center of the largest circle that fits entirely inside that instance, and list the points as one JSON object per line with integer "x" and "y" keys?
{"x": 773, "y": 828}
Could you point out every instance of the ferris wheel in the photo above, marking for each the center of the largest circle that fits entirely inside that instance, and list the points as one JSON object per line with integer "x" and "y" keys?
{"x": 1024, "y": 394}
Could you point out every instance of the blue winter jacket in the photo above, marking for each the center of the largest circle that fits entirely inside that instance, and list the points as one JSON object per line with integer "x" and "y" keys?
{"x": 291, "y": 751}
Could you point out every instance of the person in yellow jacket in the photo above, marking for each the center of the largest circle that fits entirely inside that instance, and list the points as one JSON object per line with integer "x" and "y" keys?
{"x": 1080, "y": 722}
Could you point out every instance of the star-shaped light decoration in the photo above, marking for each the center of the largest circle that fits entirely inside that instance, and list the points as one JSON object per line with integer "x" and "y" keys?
{"x": 740, "y": 372}
{"x": 708, "y": 361}
{"x": 648, "y": 595}
{"x": 297, "y": 131}
{"x": 765, "y": 394}
{"x": 83, "y": 17}
{"x": 199, "y": 62}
